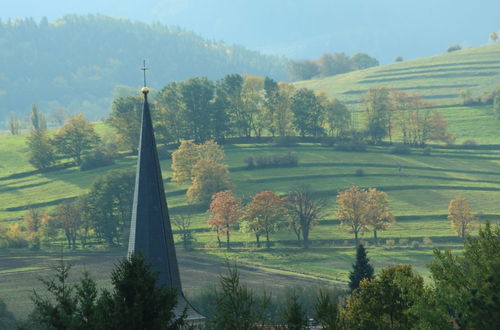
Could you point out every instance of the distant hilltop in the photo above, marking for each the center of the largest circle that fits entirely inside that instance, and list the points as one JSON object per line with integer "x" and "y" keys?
{"x": 79, "y": 62}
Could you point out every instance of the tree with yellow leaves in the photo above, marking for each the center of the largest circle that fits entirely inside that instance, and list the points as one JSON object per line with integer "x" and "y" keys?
{"x": 460, "y": 215}
{"x": 378, "y": 213}
{"x": 188, "y": 153}
{"x": 208, "y": 178}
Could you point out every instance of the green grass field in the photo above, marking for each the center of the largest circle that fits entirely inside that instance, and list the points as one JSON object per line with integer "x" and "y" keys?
{"x": 438, "y": 79}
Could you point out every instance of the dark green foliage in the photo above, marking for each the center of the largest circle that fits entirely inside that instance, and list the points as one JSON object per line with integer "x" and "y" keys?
{"x": 125, "y": 117}
{"x": 357, "y": 146}
{"x": 326, "y": 310}
{"x": 454, "y": 48}
{"x": 108, "y": 205}
{"x": 94, "y": 159}
{"x": 41, "y": 151}
{"x": 236, "y": 306}
{"x": 386, "y": 301}
{"x": 378, "y": 110}
{"x": 7, "y": 320}
{"x": 276, "y": 160}
{"x": 308, "y": 113}
{"x": 363, "y": 61}
{"x": 303, "y": 70}
{"x": 400, "y": 149}
{"x": 137, "y": 301}
{"x": 361, "y": 268}
{"x": 293, "y": 313}
{"x": 469, "y": 284}
{"x": 102, "y": 51}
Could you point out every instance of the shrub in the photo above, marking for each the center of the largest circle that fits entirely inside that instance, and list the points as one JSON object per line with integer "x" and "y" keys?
{"x": 469, "y": 144}
{"x": 427, "y": 151}
{"x": 389, "y": 243}
{"x": 359, "y": 172}
{"x": 357, "y": 146}
{"x": 276, "y": 160}
{"x": 94, "y": 159}
{"x": 399, "y": 59}
{"x": 249, "y": 161}
{"x": 285, "y": 141}
{"x": 403, "y": 241}
{"x": 427, "y": 241}
{"x": 454, "y": 48}
{"x": 415, "y": 244}
{"x": 400, "y": 149}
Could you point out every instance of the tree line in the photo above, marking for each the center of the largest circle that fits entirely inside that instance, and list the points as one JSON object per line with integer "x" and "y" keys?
{"x": 462, "y": 294}
{"x": 330, "y": 64}
{"x": 82, "y": 61}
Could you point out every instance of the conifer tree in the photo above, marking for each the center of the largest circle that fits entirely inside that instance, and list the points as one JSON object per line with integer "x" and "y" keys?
{"x": 294, "y": 315}
{"x": 361, "y": 268}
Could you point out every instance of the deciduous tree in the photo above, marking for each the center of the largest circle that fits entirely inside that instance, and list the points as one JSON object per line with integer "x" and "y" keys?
{"x": 209, "y": 178}
{"x": 226, "y": 212}
{"x": 379, "y": 116}
{"x": 378, "y": 213}
{"x": 308, "y": 113}
{"x": 41, "y": 152}
{"x": 460, "y": 215}
{"x": 76, "y": 137}
{"x": 304, "y": 211}
{"x": 351, "y": 210}
{"x": 468, "y": 284}
{"x": 265, "y": 214}
{"x": 125, "y": 117}
{"x": 69, "y": 219}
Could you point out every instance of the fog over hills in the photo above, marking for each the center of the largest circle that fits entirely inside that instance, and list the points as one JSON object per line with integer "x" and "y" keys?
{"x": 302, "y": 28}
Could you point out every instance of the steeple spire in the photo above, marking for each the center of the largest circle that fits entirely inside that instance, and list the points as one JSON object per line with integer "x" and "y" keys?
{"x": 150, "y": 229}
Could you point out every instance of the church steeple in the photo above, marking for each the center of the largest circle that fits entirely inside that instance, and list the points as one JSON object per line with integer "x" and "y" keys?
{"x": 150, "y": 229}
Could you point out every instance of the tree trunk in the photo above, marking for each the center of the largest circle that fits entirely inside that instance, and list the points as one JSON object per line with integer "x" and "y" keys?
{"x": 375, "y": 238}
{"x": 356, "y": 238}
{"x": 268, "y": 243}
{"x": 227, "y": 239}
{"x": 257, "y": 238}
{"x": 305, "y": 234}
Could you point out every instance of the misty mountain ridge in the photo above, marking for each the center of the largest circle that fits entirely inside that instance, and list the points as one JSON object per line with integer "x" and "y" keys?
{"x": 79, "y": 62}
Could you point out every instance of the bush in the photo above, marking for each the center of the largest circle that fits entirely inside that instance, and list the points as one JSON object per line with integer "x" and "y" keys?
{"x": 415, "y": 244}
{"x": 94, "y": 159}
{"x": 403, "y": 241}
{"x": 399, "y": 59}
{"x": 454, "y": 48}
{"x": 389, "y": 243}
{"x": 249, "y": 161}
{"x": 427, "y": 151}
{"x": 400, "y": 149}
{"x": 469, "y": 144}
{"x": 357, "y": 146}
{"x": 427, "y": 241}
{"x": 276, "y": 160}
{"x": 285, "y": 141}
{"x": 359, "y": 172}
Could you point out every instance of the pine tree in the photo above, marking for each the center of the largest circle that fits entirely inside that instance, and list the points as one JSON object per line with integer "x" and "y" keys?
{"x": 294, "y": 315}
{"x": 361, "y": 268}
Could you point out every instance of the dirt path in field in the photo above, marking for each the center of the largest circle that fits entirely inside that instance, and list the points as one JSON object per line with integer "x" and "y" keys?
{"x": 20, "y": 271}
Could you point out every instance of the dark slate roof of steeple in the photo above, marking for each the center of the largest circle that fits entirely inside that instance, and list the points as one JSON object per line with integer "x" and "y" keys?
{"x": 150, "y": 229}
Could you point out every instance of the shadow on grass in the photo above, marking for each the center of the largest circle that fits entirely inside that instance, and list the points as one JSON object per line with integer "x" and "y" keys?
{"x": 417, "y": 67}
{"x": 437, "y": 69}
{"x": 430, "y": 76}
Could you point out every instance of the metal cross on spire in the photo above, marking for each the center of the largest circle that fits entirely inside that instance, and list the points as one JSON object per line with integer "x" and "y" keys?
{"x": 144, "y": 68}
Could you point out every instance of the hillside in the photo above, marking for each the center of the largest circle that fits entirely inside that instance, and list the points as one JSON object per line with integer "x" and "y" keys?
{"x": 438, "y": 79}
{"x": 79, "y": 62}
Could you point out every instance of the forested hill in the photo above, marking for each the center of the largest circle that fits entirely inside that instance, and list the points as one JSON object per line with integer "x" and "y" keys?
{"x": 77, "y": 61}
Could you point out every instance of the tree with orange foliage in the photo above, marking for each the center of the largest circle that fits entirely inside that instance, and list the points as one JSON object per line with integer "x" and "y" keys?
{"x": 188, "y": 153}
{"x": 378, "y": 213}
{"x": 351, "y": 210}
{"x": 460, "y": 215}
{"x": 226, "y": 212}
{"x": 265, "y": 214}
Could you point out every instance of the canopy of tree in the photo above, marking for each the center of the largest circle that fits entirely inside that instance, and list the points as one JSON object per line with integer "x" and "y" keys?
{"x": 77, "y": 61}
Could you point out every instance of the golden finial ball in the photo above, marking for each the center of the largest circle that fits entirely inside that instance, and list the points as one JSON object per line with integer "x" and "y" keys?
{"x": 144, "y": 90}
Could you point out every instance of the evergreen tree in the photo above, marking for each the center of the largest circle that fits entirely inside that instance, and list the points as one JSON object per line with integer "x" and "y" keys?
{"x": 361, "y": 268}
{"x": 294, "y": 315}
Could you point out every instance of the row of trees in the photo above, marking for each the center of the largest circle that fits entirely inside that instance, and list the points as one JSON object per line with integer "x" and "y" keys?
{"x": 358, "y": 210}
{"x": 462, "y": 293}
{"x": 329, "y": 65}
{"x": 235, "y": 106}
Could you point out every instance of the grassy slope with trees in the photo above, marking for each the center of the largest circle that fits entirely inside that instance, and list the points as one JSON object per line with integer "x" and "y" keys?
{"x": 439, "y": 79}
{"x": 419, "y": 195}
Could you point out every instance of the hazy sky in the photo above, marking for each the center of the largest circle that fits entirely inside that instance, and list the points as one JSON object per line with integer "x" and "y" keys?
{"x": 302, "y": 28}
